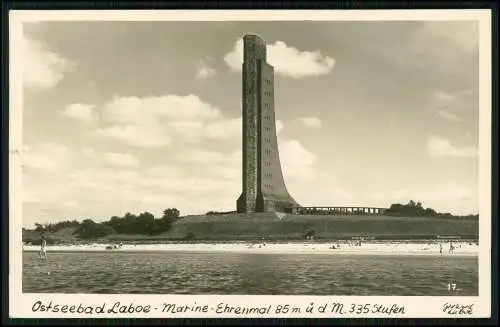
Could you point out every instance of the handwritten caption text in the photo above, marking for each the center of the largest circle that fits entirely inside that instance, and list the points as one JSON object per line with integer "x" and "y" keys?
{"x": 330, "y": 309}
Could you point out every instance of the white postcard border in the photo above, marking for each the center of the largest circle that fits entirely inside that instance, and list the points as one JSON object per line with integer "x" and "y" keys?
{"x": 22, "y": 305}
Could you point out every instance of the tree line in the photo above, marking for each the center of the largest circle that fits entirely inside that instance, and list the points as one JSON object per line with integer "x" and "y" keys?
{"x": 415, "y": 209}
{"x": 147, "y": 224}
{"x": 144, "y": 223}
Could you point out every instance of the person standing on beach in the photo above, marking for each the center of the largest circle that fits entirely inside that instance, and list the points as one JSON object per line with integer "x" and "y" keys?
{"x": 440, "y": 248}
{"x": 43, "y": 249}
{"x": 451, "y": 248}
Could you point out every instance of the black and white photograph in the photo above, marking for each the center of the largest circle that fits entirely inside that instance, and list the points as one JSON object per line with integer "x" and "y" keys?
{"x": 250, "y": 157}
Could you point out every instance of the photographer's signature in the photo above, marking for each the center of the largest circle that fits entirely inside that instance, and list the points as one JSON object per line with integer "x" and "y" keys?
{"x": 458, "y": 309}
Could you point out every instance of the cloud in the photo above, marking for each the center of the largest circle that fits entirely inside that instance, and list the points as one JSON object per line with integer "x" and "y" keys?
{"x": 447, "y": 48}
{"x": 140, "y": 136}
{"x": 279, "y": 126}
{"x": 79, "y": 111}
{"x": 154, "y": 121}
{"x": 452, "y": 106}
{"x": 188, "y": 174}
{"x": 449, "y": 116}
{"x": 201, "y": 156}
{"x": 204, "y": 71}
{"x": 462, "y": 35}
{"x": 165, "y": 171}
{"x": 228, "y": 172}
{"x": 42, "y": 68}
{"x": 225, "y": 165}
{"x": 312, "y": 122}
{"x": 122, "y": 159}
{"x": 327, "y": 191}
{"x": 443, "y": 97}
{"x": 89, "y": 153}
{"x": 287, "y": 61}
{"x": 39, "y": 196}
{"x": 191, "y": 131}
{"x": 149, "y": 109}
{"x": 297, "y": 162}
{"x": 103, "y": 192}
{"x": 224, "y": 128}
{"x": 46, "y": 157}
{"x": 438, "y": 146}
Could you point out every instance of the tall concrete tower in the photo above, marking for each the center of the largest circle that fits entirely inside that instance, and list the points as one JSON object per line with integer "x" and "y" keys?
{"x": 263, "y": 186}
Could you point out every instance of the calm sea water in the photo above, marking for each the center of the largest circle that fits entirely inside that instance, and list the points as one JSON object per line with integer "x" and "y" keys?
{"x": 245, "y": 273}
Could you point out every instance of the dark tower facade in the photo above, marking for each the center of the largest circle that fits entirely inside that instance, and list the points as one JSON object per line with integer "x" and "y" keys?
{"x": 264, "y": 188}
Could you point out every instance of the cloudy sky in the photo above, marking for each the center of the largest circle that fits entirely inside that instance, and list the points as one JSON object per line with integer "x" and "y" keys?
{"x": 134, "y": 116}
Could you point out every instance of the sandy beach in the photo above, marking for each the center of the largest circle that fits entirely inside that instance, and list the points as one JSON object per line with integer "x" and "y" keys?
{"x": 379, "y": 248}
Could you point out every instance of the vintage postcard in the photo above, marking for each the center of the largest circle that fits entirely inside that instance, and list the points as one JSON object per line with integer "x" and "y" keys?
{"x": 250, "y": 164}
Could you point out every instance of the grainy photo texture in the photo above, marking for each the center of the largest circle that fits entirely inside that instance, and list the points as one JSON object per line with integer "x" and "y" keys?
{"x": 334, "y": 158}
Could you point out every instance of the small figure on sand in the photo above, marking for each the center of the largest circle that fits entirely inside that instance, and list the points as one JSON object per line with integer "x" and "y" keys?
{"x": 43, "y": 249}
{"x": 114, "y": 247}
{"x": 452, "y": 248}
{"x": 440, "y": 249}
{"x": 335, "y": 246}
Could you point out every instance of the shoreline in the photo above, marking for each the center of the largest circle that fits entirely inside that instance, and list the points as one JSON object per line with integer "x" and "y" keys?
{"x": 366, "y": 248}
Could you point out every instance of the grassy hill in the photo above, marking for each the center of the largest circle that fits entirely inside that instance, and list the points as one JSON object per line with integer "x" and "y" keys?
{"x": 233, "y": 227}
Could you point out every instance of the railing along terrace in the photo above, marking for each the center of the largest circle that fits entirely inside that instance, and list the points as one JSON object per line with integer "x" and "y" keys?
{"x": 336, "y": 210}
